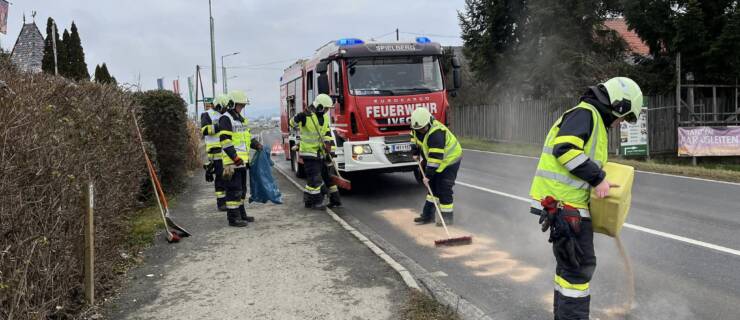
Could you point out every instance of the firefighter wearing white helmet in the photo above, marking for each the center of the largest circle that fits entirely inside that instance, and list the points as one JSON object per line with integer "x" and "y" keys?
{"x": 442, "y": 154}
{"x": 569, "y": 167}
{"x": 315, "y": 148}
{"x": 236, "y": 140}
{"x": 209, "y": 128}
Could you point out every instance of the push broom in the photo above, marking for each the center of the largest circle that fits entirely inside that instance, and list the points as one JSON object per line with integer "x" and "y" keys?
{"x": 450, "y": 241}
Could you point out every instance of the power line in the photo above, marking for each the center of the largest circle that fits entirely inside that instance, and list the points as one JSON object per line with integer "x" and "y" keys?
{"x": 431, "y": 34}
{"x": 383, "y": 35}
{"x": 266, "y": 63}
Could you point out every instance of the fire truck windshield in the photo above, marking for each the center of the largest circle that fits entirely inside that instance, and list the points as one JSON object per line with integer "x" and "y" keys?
{"x": 394, "y": 75}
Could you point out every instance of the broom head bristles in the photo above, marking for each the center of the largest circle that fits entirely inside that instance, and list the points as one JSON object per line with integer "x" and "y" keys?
{"x": 341, "y": 183}
{"x": 459, "y": 241}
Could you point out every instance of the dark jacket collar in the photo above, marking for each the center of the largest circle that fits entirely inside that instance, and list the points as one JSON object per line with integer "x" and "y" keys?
{"x": 604, "y": 110}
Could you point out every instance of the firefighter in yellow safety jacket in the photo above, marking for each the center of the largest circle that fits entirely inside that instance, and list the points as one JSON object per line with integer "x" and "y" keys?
{"x": 442, "y": 154}
{"x": 570, "y": 166}
{"x": 236, "y": 140}
{"x": 315, "y": 148}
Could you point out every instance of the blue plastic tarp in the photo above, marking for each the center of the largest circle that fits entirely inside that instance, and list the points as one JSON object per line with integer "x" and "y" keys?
{"x": 261, "y": 182}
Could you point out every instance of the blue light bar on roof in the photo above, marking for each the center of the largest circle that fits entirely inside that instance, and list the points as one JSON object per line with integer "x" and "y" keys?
{"x": 349, "y": 42}
{"x": 423, "y": 40}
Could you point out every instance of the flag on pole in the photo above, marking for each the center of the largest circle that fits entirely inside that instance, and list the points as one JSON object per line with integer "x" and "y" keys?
{"x": 190, "y": 89}
{"x": 3, "y": 17}
{"x": 160, "y": 83}
{"x": 176, "y": 86}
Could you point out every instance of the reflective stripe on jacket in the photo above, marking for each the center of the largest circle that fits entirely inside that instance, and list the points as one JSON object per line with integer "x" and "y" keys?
{"x": 553, "y": 176}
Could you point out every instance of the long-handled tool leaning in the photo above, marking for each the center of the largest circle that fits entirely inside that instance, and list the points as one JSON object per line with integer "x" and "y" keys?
{"x": 159, "y": 194}
{"x": 450, "y": 241}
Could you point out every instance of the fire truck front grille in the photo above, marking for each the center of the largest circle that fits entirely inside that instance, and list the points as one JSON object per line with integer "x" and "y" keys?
{"x": 398, "y": 138}
{"x": 398, "y": 157}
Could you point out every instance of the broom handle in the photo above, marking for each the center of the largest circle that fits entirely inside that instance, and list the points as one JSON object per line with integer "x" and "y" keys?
{"x": 436, "y": 206}
{"x": 152, "y": 174}
{"x": 321, "y": 144}
{"x": 158, "y": 185}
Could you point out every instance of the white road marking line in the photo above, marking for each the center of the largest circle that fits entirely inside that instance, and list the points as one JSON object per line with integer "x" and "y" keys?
{"x": 626, "y": 225}
{"x": 501, "y": 154}
{"x": 638, "y": 171}
{"x": 683, "y": 239}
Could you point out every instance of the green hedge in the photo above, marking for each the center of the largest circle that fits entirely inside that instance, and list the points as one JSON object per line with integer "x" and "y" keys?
{"x": 164, "y": 118}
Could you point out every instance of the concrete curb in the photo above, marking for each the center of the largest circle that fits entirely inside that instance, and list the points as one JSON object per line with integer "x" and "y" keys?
{"x": 412, "y": 270}
{"x": 408, "y": 279}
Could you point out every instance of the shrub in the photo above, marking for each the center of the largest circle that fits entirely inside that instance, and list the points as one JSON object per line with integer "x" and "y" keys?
{"x": 164, "y": 118}
{"x": 56, "y": 136}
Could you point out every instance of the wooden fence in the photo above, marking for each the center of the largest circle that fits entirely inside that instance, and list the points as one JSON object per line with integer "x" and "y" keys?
{"x": 528, "y": 121}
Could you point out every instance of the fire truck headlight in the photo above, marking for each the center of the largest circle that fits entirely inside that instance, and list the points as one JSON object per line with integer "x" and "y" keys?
{"x": 362, "y": 149}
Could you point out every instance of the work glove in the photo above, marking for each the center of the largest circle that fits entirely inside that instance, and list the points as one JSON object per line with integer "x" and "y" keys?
{"x": 300, "y": 118}
{"x": 568, "y": 251}
{"x": 229, "y": 171}
{"x": 256, "y": 145}
{"x": 549, "y": 212}
{"x": 415, "y": 150}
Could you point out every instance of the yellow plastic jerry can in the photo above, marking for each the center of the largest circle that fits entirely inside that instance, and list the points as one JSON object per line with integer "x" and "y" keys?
{"x": 608, "y": 214}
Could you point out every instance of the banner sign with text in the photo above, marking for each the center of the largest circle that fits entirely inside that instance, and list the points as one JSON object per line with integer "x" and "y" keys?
{"x": 3, "y": 17}
{"x": 709, "y": 141}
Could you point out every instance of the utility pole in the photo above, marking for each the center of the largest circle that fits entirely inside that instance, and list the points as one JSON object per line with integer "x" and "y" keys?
{"x": 54, "y": 45}
{"x": 223, "y": 70}
{"x": 213, "y": 53}
{"x": 397, "y": 38}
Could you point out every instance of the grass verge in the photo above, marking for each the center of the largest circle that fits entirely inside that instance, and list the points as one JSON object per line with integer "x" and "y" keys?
{"x": 423, "y": 307}
{"x": 714, "y": 171}
{"x": 144, "y": 226}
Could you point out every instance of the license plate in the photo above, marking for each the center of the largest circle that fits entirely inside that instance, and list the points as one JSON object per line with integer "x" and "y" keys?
{"x": 401, "y": 147}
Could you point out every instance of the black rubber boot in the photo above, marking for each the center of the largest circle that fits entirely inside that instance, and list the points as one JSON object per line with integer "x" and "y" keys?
{"x": 448, "y": 219}
{"x": 221, "y": 204}
{"x": 243, "y": 215}
{"x": 238, "y": 224}
{"x": 317, "y": 202}
{"x": 427, "y": 214}
{"x": 233, "y": 216}
{"x": 307, "y": 199}
{"x": 334, "y": 200}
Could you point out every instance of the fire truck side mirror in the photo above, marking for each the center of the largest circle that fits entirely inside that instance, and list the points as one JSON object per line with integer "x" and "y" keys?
{"x": 456, "y": 74}
{"x": 456, "y": 62}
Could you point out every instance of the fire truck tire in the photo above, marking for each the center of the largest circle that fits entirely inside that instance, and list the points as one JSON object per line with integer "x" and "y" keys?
{"x": 297, "y": 168}
{"x": 418, "y": 177}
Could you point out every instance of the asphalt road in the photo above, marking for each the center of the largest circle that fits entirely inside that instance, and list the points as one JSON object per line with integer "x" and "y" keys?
{"x": 682, "y": 237}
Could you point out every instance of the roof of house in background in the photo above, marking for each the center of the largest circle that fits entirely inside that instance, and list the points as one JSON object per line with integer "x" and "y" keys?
{"x": 634, "y": 41}
{"x": 28, "y": 51}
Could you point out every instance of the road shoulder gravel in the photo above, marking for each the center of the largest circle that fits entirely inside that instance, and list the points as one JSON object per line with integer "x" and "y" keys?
{"x": 292, "y": 263}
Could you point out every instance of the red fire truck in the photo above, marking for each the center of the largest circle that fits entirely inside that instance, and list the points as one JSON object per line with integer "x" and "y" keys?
{"x": 375, "y": 87}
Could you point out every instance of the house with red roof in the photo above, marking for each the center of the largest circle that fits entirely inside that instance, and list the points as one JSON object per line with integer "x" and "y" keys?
{"x": 634, "y": 42}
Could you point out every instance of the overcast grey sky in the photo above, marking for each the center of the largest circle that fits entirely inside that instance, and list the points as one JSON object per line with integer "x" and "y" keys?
{"x": 167, "y": 38}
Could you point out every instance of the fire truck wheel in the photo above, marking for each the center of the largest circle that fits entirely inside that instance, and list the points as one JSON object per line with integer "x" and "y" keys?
{"x": 418, "y": 177}
{"x": 297, "y": 168}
